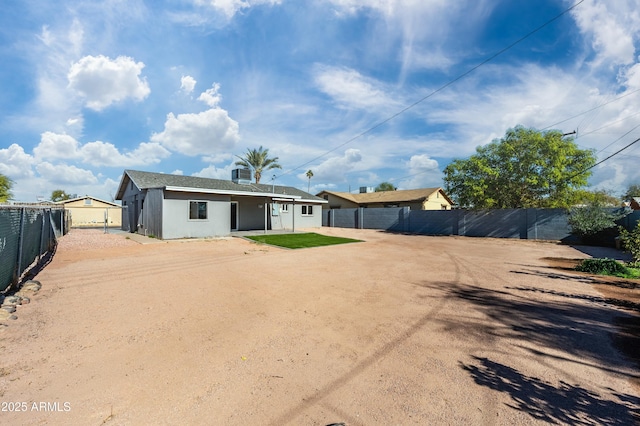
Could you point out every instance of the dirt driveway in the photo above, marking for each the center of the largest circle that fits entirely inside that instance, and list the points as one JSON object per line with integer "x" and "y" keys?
{"x": 396, "y": 330}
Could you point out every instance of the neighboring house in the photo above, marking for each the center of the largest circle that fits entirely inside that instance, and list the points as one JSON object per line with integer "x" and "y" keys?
{"x": 174, "y": 206}
{"x": 416, "y": 199}
{"x": 90, "y": 211}
{"x": 634, "y": 203}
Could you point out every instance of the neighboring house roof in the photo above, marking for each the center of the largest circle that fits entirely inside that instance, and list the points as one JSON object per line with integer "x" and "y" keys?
{"x": 71, "y": 200}
{"x": 406, "y": 195}
{"x": 148, "y": 180}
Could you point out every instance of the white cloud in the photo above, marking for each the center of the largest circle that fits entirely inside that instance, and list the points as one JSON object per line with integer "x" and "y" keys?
{"x": 214, "y": 172}
{"x": 63, "y": 174}
{"x": 15, "y": 163}
{"x": 187, "y": 83}
{"x": 106, "y": 154}
{"x": 54, "y": 146}
{"x": 177, "y": 172}
{"x": 211, "y": 96}
{"x": 423, "y": 171}
{"x": 351, "y": 89}
{"x": 204, "y": 133}
{"x": 612, "y": 27}
{"x": 334, "y": 169}
{"x": 103, "y": 81}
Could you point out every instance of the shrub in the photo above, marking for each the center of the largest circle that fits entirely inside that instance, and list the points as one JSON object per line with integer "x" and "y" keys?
{"x": 602, "y": 267}
{"x": 593, "y": 218}
{"x": 631, "y": 242}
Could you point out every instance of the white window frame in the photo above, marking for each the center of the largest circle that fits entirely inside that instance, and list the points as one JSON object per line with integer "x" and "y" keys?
{"x": 197, "y": 219}
{"x": 284, "y": 208}
{"x": 305, "y": 209}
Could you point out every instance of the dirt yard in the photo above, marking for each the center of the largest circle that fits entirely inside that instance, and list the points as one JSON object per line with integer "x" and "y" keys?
{"x": 396, "y": 330}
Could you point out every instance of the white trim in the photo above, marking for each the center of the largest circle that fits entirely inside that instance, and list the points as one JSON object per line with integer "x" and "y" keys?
{"x": 227, "y": 192}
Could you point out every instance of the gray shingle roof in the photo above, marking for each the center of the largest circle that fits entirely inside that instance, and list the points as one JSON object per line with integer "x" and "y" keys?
{"x": 146, "y": 180}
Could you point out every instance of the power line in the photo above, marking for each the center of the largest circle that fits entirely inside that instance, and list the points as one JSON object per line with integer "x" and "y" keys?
{"x": 592, "y": 109}
{"x": 441, "y": 88}
{"x": 602, "y": 161}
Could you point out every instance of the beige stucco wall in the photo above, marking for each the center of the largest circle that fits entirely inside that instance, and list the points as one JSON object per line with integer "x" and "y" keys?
{"x": 337, "y": 203}
{"x": 435, "y": 203}
{"x": 83, "y": 215}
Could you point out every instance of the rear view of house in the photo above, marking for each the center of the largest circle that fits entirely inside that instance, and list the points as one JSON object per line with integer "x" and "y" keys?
{"x": 173, "y": 206}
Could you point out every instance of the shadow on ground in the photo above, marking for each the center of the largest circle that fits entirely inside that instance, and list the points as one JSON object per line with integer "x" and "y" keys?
{"x": 581, "y": 326}
{"x": 565, "y": 403}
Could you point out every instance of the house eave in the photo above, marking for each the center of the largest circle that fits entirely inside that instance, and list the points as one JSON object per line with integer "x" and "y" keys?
{"x": 230, "y": 192}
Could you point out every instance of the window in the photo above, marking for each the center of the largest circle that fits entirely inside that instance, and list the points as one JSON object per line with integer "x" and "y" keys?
{"x": 197, "y": 210}
{"x": 307, "y": 210}
{"x": 285, "y": 208}
{"x": 87, "y": 201}
{"x": 326, "y": 197}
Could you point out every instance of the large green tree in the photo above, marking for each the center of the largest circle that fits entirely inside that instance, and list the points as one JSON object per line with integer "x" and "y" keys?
{"x": 632, "y": 191}
{"x": 526, "y": 168}
{"x": 385, "y": 186}
{"x": 59, "y": 195}
{"x": 258, "y": 160}
{"x": 5, "y": 188}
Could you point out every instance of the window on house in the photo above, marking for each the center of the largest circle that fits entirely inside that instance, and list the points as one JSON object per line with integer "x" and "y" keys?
{"x": 87, "y": 202}
{"x": 307, "y": 210}
{"x": 197, "y": 210}
{"x": 285, "y": 208}
{"x": 326, "y": 197}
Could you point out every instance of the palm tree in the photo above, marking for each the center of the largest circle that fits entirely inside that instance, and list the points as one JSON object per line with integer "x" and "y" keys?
{"x": 257, "y": 159}
{"x": 309, "y": 175}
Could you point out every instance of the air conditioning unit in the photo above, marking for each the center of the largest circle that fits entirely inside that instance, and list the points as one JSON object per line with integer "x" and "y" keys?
{"x": 242, "y": 176}
{"x": 366, "y": 189}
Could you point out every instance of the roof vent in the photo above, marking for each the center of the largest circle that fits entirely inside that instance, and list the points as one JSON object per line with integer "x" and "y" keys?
{"x": 366, "y": 189}
{"x": 241, "y": 176}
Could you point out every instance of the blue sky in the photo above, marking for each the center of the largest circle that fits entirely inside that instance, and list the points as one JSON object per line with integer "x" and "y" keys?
{"x": 90, "y": 88}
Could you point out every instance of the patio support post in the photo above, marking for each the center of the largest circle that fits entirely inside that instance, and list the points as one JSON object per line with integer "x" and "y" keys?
{"x": 265, "y": 215}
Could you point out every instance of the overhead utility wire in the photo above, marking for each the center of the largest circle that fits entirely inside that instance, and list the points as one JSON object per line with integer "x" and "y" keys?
{"x": 602, "y": 161}
{"x": 592, "y": 109}
{"x": 441, "y": 88}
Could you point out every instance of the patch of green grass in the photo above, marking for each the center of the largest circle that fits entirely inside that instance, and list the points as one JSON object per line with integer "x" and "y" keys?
{"x": 295, "y": 241}
{"x": 608, "y": 267}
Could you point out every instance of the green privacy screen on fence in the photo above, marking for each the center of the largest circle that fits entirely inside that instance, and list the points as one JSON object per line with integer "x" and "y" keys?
{"x": 26, "y": 233}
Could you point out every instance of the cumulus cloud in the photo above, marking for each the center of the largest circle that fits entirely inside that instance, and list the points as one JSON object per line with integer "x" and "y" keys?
{"x": 187, "y": 83}
{"x": 204, "y": 133}
{"x": 106, "y": 154}
{"x": 54, "y": 146}
{"x": 423, "y": 172}
{"x": 63, "y": 174}
{"x": 102, "y": 81}
{"x": 214, "y": 172}
{"x": 211, "y": 96}
{"x": 350, "y": 89}
{"x": 15, "y": 163}
{"x": 334, "y": 169}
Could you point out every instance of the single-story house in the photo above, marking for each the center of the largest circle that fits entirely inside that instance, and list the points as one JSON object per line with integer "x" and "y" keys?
{"x": 174, "y": 206}
{"x": 416, "y": 199}
{"x": 90, "y": 211}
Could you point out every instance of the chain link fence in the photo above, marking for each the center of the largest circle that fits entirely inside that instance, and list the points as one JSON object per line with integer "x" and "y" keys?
{"x": 27, "y": 235}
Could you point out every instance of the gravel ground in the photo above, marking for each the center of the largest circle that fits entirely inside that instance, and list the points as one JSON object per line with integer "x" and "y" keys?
{"x": 396, "y": 330}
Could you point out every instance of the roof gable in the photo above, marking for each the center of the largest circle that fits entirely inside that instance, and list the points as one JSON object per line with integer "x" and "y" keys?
{"x": 78, "y": 199}
{"x": 404, "y": 195}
